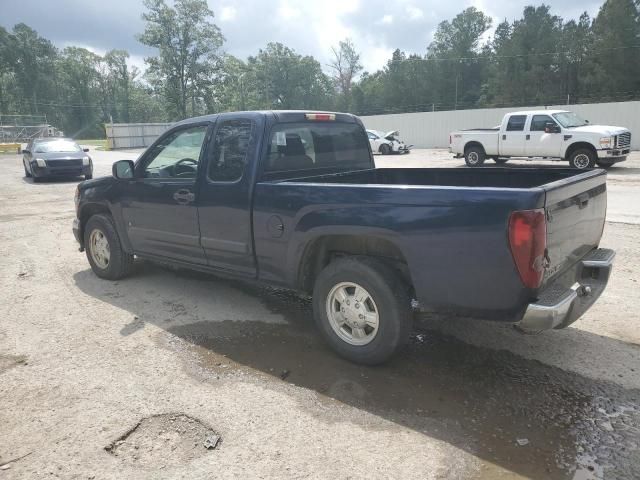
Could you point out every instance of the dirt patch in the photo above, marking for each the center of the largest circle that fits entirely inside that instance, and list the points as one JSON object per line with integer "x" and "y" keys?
{"x": 165, "y": 440}
{"x": 7, "y": 362}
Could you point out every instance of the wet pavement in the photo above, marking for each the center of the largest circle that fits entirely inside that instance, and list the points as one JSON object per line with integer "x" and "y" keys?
{"x": 515, "y": 414}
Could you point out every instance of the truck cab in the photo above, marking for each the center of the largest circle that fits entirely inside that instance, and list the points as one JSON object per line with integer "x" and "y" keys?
{"x": 549, "y": 134}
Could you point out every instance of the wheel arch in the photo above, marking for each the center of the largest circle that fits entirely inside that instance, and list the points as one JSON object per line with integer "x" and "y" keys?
{"x": 87, "y": 211}
{"x": 577, "y": 146}
{"x": 473, "y": 143}
{"x": 322, "y": 250}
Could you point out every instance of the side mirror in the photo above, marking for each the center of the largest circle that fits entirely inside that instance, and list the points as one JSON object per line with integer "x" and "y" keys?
{"x": 85, "y": 149}
{"x": 26, "y": 151}
{"x": 123, "y": 169}
{"x": 551, "y": 128}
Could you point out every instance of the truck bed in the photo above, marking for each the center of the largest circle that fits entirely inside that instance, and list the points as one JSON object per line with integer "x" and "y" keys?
{"x": 451, "y": 226}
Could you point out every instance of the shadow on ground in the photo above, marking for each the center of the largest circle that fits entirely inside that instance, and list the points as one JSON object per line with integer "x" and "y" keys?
{"x": 524, "y": 416}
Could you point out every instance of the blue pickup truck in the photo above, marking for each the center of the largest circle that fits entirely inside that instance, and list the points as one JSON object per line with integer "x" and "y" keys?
{"x": 293, "y": 199}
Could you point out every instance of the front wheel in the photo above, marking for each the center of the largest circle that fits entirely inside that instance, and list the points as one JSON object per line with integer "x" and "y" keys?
{"x": 363, "y": 309}
{"x": 582, "y": 159}
{"x": 605, "y": 165}
{"x": 385, "y": 149}
{"x": 104, "y": 251}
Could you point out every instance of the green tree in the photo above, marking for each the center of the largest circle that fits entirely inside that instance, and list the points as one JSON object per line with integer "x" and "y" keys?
{"x": 287, "y": 80}
{"x": 346, "y": 66}
{"x": 188, "y": 44}
{"x": 614, "y": 63}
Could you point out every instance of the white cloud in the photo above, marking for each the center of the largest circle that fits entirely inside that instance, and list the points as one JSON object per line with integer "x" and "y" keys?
{"x": 286, "y": 11}
{"x": 414, "y": 12}
{"x": 387, "y": 19}
{"x": 228, "y": 14}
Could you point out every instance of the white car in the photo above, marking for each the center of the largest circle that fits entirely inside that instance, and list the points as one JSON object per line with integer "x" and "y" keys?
{"x": 548, "y": 134}
{"x": 387, "y": 143}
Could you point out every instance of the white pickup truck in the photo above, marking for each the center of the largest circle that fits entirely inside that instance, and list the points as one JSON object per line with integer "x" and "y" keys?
{"x": 549, "y": 134}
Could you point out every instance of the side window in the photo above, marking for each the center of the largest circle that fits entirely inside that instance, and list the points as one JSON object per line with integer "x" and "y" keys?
{"x": 539, "y": 122}
{"x": 177, "y": 155}
{"x": 371, "y": 136}
{"x": 231, "y": 144}
{"x": 516, "y": 123}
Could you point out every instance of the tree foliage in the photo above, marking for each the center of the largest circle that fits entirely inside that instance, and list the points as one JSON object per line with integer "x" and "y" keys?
{"x": 536, "y": 59}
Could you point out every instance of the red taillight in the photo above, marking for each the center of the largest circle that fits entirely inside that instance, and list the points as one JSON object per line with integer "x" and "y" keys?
{"x": 321, "y": 117}
{"x": 528, "y": 242}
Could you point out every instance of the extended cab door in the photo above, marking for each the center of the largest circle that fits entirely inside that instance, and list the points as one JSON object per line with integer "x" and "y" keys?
{"x": 225, "y": 193}
{"x": 159, "y": 204}
{"x": 544, "y": 138}
{"x": 512, "y": 136}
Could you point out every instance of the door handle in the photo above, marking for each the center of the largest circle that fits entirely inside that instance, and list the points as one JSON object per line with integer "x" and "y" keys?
{"x": 582, "y": 200}
{"x": 528, "y": 137}
{"x": 184, "y": 196}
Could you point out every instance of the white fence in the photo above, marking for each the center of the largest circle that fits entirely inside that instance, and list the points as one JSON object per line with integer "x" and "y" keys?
{"x": 431, "y": 129}
{"x": 133, "y": 135}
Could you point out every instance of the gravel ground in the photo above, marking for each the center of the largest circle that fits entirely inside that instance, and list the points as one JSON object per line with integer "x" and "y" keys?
{"x": 170, "y": 374}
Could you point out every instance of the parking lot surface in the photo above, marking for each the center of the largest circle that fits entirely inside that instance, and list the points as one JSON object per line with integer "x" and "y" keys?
{"x": 172, "y": 374}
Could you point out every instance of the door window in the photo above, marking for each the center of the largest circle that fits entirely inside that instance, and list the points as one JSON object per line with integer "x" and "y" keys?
{"x": 177, "y": 155}
{"x": 231, "y": 146}
{"x": 516, "y": 123}
{"x": 539, "y": 122}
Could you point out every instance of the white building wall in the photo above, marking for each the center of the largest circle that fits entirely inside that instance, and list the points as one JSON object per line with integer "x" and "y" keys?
{"x": 431, "y": 129}
{"x": 133, "y": 135}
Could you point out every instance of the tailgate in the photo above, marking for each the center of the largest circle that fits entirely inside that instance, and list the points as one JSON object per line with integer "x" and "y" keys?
{"x": 575, "y": 208}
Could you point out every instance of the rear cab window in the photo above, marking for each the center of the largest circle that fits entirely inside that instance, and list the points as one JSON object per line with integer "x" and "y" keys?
{"x": 309, "y": 146}
{"x": 516, "y": 123}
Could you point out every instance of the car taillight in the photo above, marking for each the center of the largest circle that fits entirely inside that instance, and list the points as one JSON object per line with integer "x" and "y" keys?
{"x": 528, "y": 243}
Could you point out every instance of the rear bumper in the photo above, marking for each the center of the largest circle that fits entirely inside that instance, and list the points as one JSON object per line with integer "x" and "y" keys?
{"x": 561, "y": 304}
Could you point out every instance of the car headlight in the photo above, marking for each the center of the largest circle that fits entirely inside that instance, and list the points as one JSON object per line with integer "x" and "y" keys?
{"x": 86, "y": 161}
{"x": 40, "y": 162}
{"x": 606, "y": 142}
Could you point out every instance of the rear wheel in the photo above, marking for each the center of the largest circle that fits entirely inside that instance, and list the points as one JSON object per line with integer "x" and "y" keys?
{"x": 104, "y": 251}
{"x": 385, "y": 149}
{"x": 582, "y": 159}
{"x": 363, "y": 309}
{"x": 474, "y": 156}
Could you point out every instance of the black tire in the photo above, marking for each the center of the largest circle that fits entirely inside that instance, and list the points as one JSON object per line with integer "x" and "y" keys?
{"x": 392, "y": 301}
{"x": 501, "y": 161}
{"x": 26, "y": 172}
{"x": 120, "y": 262}
{"x": 582, "y": 159}
{"x": 605, "y": 165}
{"x": 89, "y": 176}
{"x": 385, "y": 149}
{"x": 474, "y": 156}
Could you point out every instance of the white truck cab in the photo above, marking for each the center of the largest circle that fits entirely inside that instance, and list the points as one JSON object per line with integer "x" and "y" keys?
{"x": 549, "y": 134}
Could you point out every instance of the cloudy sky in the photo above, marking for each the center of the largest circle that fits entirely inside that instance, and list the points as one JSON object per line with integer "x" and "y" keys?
{"x": 377, "y": 27}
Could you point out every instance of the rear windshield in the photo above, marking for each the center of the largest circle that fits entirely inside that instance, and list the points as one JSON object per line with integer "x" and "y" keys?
{"x": 311, "y": 146}
{"x": 62, "y": 146}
